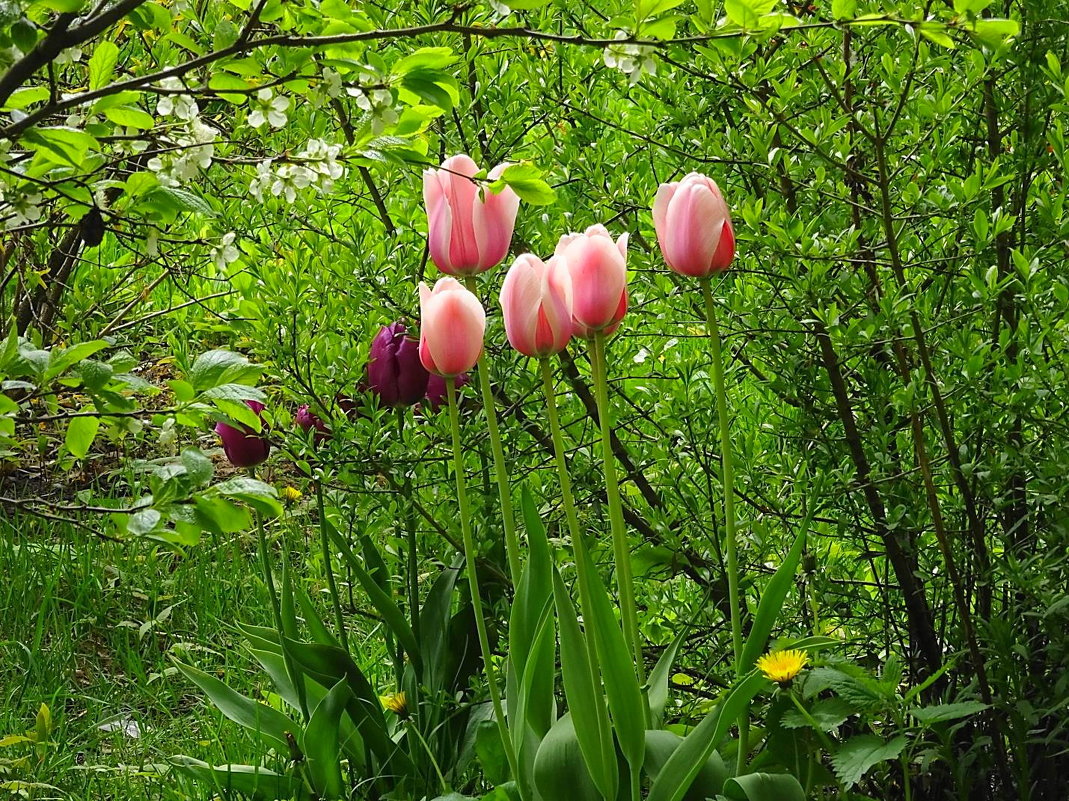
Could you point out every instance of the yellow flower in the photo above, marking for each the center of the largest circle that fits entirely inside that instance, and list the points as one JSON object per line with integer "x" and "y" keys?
{"x": 782, "y": 666}
{"x": 396, "y": 703}
{"x": 291, "y": 494}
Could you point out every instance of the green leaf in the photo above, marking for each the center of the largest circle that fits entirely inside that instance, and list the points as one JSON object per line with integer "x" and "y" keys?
{"x": 248, "y": 780}
{"x": 80, "y": 435}
{"x": 747, "y": 13}
{"x": 144, "y": 522}
{"x": 63, "y": 359}
{"x": 764, "y": 787}
{"x": 859, "y": 754}
{"x": 626, "y": 703}
{"x": 658, "y": 680}
{"x": 27, "y": 96}
{"x": 993, "y": 32}
{"x": 560, "y": 772}
{"x": 265, "y": 721}
{"x": 260, "y": 496}
{"x": 426, "y": 58}
{"x": 322, "y": 744}
{"x": 130, "y": 117}
{"x": 526, "y": 181}
{"x": 843, "y": 9}
{"x": 184, "y": 200}
{"x": 586, "y": 701}
{"x": 687, "y": 760}
{"x": 936, "y": 32}
{"x": 660, "y": 745}
{"x": 67, "y": 145}
{"x": 942, "y": 713}
{"x": 102, "y": 64}
{"x": 768, "y": 610}
{"x": 827, "y": 713}
{"x": 217, "y": 367}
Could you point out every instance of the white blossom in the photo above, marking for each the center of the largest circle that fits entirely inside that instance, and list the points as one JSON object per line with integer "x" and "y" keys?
{"x": 70, "y": 55}
{"x": 378, "y": 103}
{"x": 315, "y": 165}
{"x": 192, "y": 150}
{"x": 226, "y": 251}
{"x": 332, "y": 84}
{"x": 631, "y": 59}
{"x": 269, "y": 108}
{"x": 20, "y": 208}
{"x": 182, "y": 106}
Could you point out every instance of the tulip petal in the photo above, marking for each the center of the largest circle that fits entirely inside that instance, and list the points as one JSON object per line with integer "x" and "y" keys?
{"x": 439, "y": 220}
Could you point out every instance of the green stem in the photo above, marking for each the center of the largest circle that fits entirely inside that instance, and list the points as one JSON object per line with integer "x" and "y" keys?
{"x": 332, "y": 585}
{"x": 728, "y": 480}
{"x": 473, "y": 578}
{"x": 558, "y": 449}
{"x": 512, "y": 543}
{"x": 824, "y": 739}
{"x": 411, "y": 727}
{"x": 621, "y": 551}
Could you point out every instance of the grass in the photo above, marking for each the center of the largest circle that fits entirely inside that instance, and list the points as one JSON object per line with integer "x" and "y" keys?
{"x": 90, "y": 628}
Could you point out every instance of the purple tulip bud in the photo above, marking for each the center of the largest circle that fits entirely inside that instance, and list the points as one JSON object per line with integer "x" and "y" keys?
{"x": 306, "y": 421}
{"x": 244, "y": 448}
{"x": 394, "y": 371}
{"x": 436, "y": 393}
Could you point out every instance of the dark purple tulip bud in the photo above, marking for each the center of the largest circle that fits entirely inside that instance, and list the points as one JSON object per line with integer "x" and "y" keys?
{"x": 306, "y": 421}
{"x": 436, "y": 394}
{"x": 244, "y": 448}
{"x": 394, "y": 371}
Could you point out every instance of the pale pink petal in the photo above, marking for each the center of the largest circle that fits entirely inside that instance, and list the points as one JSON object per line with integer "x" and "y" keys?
{"x": 692, "y": 229}
{"x": 494, "y": 221}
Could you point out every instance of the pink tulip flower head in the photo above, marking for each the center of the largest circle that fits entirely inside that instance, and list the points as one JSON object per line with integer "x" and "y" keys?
{"x": 244, "y": 448}
{"x": 451, "y": 330}
{"x": 693, "y": 226}
{"x": 469, "y": 228}
{"x": 598, "y": 269}
{"x": 536, "y": 299}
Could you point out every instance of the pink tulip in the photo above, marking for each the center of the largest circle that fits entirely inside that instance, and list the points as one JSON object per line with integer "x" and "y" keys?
{"x": 467, "y": 234}
{"x": 451, "y": 328}
{"x": 598, "y": 268}
{"x": 693, "y": 226}
{"x": 536, "y": 299}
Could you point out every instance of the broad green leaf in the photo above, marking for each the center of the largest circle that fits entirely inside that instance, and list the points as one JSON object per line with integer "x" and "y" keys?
{"x": 261, "y": 719}
{"x": 942, "y": 713}
{"x": 843, "y": 9}
{"x": 322, "y": 742}
{"x": 102, "y": 64}
{"x": 586, "y": 700}
{"x": 248, "y": 780}
{"x": 827, "y": 713}
{"x": 687, "y": 760}
{"x": 80, "y": 435}
{"x": 560, "y": 772}
{"x": 130, "y": 117}
{"x": 217, "y": 367}
{"x": 27, "y": 96}
{"x": 764, "y": 787}
{"x": 747, "y": 13}
{"x": 526, "y": 181}
{"x": 660, "y": 745}
{"x": 64, "y": 145}
{"x": 659, "y": 678}
{"x": 860, "y": 754}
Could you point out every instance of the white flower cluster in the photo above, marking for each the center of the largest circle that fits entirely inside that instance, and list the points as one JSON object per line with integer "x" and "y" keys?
{"x": 631, "y": 59}
{"x": 192, "y": 149}
{"x": 182, "y": 106}
{"x": 377, "y": 102}
{"x": 316, "y": 166}
{"x": 268, "y": 108}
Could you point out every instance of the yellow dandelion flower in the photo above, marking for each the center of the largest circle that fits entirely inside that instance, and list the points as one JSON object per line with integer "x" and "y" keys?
{"x": 396, "y": 703}
{"x": 782, "y": 666}
{"x": 291, "y": 494}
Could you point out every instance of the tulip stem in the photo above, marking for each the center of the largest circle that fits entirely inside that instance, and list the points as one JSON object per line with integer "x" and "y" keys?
{"x": 621, "y": 551}
{"x": 728, "y": 482}
{"x": 473, "y": 577}
{"x": 410, "y": 527}
{"x": 512, "y": 543}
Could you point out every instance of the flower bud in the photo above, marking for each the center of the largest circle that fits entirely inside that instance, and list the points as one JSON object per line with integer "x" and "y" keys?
{"x": 536, "y": 299}
{"x": 243, "y": 447}
{"x": 452, "y": 326}
{"x": 693, "y": 226}
{"x": 598, "y": 269}
{"x": 394, "y": 371}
